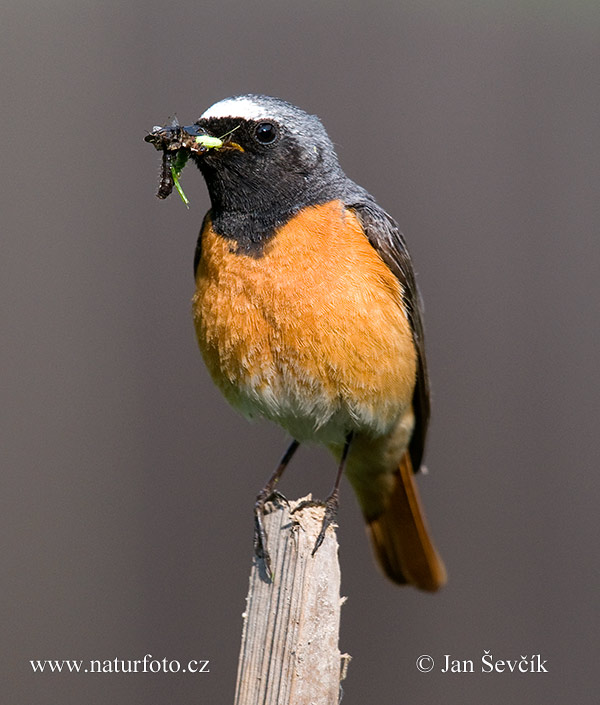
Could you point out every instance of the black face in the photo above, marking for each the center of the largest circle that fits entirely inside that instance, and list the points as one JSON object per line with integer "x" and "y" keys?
{"x": 269, "y": 152}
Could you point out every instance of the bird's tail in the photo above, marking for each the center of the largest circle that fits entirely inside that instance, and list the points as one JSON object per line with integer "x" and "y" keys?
{"x": 401, "y": 539}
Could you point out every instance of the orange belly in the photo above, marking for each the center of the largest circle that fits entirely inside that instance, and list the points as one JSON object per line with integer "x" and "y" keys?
{"x": 312, "y": 334}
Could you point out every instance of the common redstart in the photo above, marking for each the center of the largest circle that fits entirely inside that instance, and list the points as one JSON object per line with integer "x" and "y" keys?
{"x": 307, "y": 313}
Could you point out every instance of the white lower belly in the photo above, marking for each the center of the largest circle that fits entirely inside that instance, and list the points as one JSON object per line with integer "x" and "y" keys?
{"x": 308, "y": 412}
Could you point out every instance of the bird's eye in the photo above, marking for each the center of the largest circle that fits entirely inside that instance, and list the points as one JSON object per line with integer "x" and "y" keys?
{"x": 266, "y": 133}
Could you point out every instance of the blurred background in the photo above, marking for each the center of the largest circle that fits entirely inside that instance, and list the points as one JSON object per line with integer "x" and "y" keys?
{"x": 127, "y": 482}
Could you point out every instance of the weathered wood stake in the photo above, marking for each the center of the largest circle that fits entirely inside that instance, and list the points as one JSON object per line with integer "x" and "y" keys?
{"x": 289, "y": 653}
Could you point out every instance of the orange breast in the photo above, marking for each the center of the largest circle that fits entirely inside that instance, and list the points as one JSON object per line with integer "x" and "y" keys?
{"x": 312, "y": 334}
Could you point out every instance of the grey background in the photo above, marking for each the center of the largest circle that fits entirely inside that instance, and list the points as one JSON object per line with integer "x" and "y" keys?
{"x": 127, "y": 483}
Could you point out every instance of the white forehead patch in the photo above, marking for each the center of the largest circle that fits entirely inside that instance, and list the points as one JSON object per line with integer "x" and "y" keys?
{"x": 244, "y": 108}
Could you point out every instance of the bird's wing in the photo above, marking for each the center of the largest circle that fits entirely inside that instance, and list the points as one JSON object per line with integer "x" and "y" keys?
{"x": 383, "y": 234}
{"x": 198, "y": 251}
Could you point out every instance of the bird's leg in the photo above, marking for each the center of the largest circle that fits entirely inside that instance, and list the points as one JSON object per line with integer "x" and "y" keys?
{"x": 260, "y": 535}
{"x": 332, "y": 502}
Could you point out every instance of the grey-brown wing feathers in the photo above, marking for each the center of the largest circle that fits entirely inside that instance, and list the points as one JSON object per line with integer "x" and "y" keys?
{"x": 384, "y": 235}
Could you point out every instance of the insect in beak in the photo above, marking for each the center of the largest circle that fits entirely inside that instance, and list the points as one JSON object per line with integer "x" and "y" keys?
{"x": 177, "y": 143}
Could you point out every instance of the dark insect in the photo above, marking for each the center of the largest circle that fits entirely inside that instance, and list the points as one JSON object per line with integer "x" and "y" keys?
{"x": 167, "y": 139}
{"x": 177, "y": 143}
{"x": 165, "y": 186}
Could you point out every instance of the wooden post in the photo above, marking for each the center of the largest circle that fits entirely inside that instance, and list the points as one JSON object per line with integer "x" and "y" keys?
{"x": 289, "y": 653}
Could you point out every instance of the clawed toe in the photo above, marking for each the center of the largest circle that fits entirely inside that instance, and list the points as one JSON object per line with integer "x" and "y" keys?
{"x": 331, "y": 507}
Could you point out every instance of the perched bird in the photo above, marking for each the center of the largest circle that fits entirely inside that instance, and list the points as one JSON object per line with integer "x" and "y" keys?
{"x": 307, "y": 313}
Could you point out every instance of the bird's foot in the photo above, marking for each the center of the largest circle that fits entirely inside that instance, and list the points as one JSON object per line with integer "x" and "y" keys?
{"x": 331, "y": 505}
{"x": 260, "y": 534}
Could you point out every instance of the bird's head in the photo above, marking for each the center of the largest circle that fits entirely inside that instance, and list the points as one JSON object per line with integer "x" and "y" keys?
{"x": 255, "y": 151}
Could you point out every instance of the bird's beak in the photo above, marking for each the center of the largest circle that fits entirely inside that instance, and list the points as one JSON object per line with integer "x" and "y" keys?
{"x": 175, "y": 137}
{"x": 177, "y": 144}
{"x": 204, "y": 142}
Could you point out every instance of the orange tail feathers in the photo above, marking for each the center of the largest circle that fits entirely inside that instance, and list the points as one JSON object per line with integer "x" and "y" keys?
{"x": 401, "y": 538}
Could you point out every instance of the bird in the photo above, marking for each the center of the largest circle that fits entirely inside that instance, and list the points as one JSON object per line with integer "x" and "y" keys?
{"x": 307, "y": 313}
